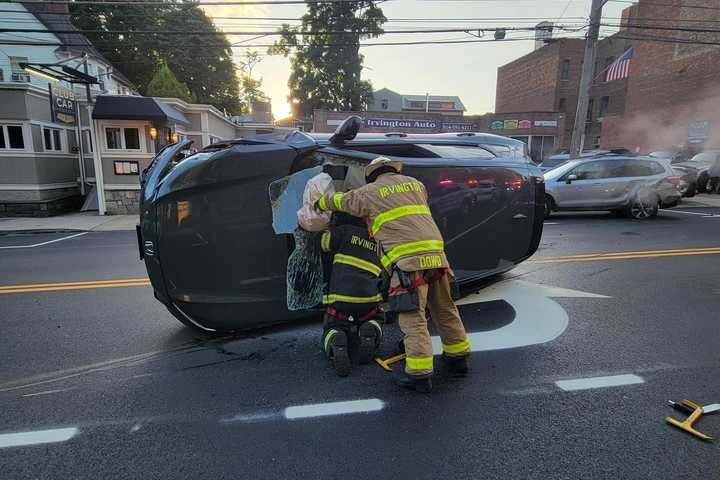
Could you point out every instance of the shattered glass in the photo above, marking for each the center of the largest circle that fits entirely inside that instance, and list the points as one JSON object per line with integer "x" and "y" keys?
{"x": 286, "y": 197}
{"x": 305, "y": 283}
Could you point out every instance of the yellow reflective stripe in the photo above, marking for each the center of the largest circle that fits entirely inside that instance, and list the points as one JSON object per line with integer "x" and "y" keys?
{"x": 357, "y": 263}
{"x": 323, "y": 203}
{"x": 337, "y": 200}
{"x": 325, "y": 242}
{"x": 396, "y": 213}
{"x": 419, "y": 363}
{"x": 455, "y": 348}
{"x": 333, "y": 297}
{"x": 328, "y": 336}
{"x": 376, "y": 324}
{"x": 410, "y": 248}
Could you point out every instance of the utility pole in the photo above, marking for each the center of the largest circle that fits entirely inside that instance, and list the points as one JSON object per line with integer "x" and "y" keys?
{"x": 586, "y": 78}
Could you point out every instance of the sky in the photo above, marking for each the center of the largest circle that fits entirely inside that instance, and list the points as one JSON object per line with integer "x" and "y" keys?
{"x": 466, "y": 70}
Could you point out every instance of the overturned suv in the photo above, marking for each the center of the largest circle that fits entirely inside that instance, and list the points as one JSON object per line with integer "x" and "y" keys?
{"x": 215, "y": 236}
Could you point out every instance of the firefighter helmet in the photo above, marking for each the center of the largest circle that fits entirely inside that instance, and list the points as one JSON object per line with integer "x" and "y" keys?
{"x": 382, "y": 162}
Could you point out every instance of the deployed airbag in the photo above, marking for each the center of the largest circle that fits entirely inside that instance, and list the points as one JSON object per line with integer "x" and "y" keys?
{"x": 309, "y": 218}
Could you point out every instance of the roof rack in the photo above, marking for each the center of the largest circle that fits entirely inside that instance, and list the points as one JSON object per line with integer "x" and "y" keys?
{"x": 396, "y": 134}
{"x": 466, "y": 134}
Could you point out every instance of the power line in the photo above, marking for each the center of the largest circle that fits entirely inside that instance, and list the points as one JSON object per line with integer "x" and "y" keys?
{"x": 214, "y": 3}
{"x": 659, "y": 27}
{"x": 274, "y": 33}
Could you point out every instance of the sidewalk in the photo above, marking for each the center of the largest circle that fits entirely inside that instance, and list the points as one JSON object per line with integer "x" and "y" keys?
{"x": 80, "y": 221}
{"x": 702, "y": 200}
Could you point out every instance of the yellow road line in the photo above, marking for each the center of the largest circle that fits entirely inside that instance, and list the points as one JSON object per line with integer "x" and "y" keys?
{"x": 142, "y": 282}
{"x": 628, "y": 255}
{"x": 50, "y": 287}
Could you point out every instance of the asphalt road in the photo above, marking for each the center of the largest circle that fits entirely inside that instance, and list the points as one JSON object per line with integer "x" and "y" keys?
{"x": 119, "y": 389}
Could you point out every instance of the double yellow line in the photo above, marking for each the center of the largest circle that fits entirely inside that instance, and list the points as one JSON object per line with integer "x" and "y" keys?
{"x": 53, "y": 287}
{"x": 591, "y": 257}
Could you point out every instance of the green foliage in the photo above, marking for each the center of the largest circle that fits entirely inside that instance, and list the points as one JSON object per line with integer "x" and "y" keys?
{"x": 326, "y": 68}
{"x": 250, "y": 87}
{"x": 202, "y": 62}
{"x": 165, "y": 84}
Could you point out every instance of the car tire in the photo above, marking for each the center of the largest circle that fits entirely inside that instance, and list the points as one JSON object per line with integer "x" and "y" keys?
{"x": 640, "y": 211}
{"x": 709, "y": 187}
{"x": 691, "y": 191}
{"x": 549, "y": 203}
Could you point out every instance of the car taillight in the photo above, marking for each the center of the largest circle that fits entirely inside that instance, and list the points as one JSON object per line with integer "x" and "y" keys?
{"x": 472, "y": 182}
{"x": 446, "y": 181}
{"x": 674, "y": 179}
{"x": 514, "y": 183}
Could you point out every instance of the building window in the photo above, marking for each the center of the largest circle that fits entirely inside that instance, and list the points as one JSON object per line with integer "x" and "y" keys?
{"x": 562, "y": 105}
{"x": 591, "y": 105}
{"x": 117, "y": 138}
{"x": 52, "y": 139}
{"x": 565, "y": 70}
{"x": 11, "y": 137}
{"x": 18, "y": 74}
{"x": 604, "y": 104}
{"x": 384, "y": 104}
{"x": 596, "y": 142}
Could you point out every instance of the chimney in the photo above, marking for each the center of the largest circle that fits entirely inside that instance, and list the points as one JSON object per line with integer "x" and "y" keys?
{"x": 543, "y": 33}
{"x": 628, "y": 17}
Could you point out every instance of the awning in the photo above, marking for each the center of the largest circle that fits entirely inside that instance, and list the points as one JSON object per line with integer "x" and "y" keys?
{"x": 127, "y": 107}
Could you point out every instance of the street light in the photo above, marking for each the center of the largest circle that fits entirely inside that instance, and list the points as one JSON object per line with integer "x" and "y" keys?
{"x": 153, "y": 133}
{"x": 39, "y": 73}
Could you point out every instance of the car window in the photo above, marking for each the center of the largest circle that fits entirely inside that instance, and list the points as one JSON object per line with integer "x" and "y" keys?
{"x": 705, "y": 158}
{"x": 459, "y": 151}
{"x": 499, "y": 150}
{"x": 642, "y": 168}
{"x": 590, "y": 171}
{"x": 552, "y": 162}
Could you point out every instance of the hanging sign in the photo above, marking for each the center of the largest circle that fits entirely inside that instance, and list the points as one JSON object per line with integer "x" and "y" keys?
{"x": 698, "y": 132}
{"x": 62, "y": 105}
{"x": 497, "y": 125}
{"x": 510, "y": 124}
{"x": 524, "y": 124}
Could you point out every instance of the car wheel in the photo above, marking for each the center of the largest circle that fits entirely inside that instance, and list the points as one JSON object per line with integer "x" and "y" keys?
{"x": 641, "y": 210}
{"x": 548, "y": 206}
{"x": 691, "y": 191}
{"x": 709, "y": 186}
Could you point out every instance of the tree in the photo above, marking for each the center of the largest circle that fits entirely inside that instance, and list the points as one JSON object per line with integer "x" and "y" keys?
{"x": 250, "y": 87}
{"x": 202, "y": 62}
{"x": 326, "y": 68}
{"x": 165, "y": 84}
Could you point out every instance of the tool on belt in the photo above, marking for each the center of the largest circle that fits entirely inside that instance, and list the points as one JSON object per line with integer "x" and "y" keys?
{"x": 404, "y": 298}
{"x": 695, "y": 412}
{"x": 346, "y": 317}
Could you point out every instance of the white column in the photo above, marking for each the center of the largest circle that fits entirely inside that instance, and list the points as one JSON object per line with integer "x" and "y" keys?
{"x": 205, "y": 127}
{"x": 97, "y": 161}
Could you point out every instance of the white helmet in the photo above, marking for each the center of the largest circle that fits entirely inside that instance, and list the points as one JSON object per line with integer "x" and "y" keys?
{"x": 383, "y": 162}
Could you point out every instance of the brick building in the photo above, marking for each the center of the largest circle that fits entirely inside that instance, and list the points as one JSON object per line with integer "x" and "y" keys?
{"x": 673, "y": 93}
{"x": 545, "y": 80}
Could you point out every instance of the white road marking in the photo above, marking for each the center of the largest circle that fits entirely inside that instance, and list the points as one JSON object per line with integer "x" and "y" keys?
{"x": 47, "y": 392}
{"x": 333, "y": 408}
{"x": 598, "y": 382}
{"x": 135, "y": 428}
{"x": 37, "y": 437}
{"x": 551, "y": 223}
{"x": 251, "y": 417}
{"x": 538, "y": 319}
{"x": 711, "y": 215}
{"x": 44, "y": 243}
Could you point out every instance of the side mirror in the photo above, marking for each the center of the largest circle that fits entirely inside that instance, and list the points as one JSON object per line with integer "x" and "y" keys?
{"x": 347, "y": 130}
{"x": 570, "y": 178}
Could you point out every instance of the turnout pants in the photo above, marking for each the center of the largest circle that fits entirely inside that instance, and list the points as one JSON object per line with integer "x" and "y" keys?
{"x": 437, "y": 298}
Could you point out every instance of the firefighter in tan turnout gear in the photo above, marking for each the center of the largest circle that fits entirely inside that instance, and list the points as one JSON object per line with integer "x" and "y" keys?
{"x": 411, "y": 248}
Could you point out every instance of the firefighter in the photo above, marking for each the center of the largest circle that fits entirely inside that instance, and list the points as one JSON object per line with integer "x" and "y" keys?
{"x": 352, "y": 298}
{"x": 411, "y": 249}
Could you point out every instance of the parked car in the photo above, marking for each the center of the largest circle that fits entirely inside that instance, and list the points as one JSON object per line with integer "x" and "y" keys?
{"x": 207, "y": 232}
{"x": 702, "y": 163}
{"x": 688, "y": 180}
{"x": 636, "y": 186}
{"x": 553, "y": 161}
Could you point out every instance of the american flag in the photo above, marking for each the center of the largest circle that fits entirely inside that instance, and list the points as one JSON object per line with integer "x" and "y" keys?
{"x": 620, "y": 68}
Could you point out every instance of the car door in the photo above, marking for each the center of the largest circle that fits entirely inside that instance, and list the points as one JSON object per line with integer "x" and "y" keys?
{"x": 588, "y": 190}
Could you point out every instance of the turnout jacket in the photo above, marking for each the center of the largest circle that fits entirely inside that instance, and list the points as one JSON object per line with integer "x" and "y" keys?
{"x": 354, "y": 284}
{"x": 395, "y": 207}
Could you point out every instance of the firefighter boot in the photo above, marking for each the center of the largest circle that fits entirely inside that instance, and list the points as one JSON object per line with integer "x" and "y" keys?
{"x": 419, "y": 383}
{"x": 336, "y": 349}
{"x": 370, "y": 334}
{"x": 455, "y": 366}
